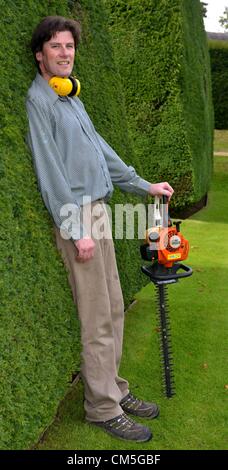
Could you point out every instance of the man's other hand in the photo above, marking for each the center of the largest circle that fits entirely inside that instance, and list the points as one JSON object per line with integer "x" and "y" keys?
{"x": 85, "y": 247}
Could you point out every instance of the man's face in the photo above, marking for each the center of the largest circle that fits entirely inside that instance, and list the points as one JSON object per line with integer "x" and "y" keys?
{"x": 57, "y": 55}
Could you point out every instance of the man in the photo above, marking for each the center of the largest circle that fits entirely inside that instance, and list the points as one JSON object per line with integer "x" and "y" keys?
{"x": 73, "y": 161}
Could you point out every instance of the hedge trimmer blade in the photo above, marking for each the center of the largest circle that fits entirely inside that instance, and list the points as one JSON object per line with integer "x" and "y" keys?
{"x": 165, "y": 247}
{"x": 164, "y": 329}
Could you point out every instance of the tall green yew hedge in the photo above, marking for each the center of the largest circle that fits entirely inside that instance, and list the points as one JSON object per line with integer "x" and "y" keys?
{"x": 141, "y": 99}
{"x": 162, "y": 53}
{"x": 219, "y": 70}
{"x": 39, "y": 334}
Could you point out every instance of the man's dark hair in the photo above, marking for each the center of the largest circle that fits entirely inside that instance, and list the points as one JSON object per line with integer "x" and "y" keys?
{"x": 48, "y": 27}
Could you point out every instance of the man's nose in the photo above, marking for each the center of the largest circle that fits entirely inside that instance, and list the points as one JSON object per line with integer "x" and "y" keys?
{"x": 64, "y": 51}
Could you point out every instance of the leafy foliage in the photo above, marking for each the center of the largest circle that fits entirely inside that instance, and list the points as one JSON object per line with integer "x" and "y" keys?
{"x": 204, "y": 8}
{"x": 39, "y": 335}
{"x": 163, "y": 59}
{"x": 223, "y": 20}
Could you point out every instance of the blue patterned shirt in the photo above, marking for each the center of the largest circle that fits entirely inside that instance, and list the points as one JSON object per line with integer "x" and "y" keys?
{"x": 71, "y": 159}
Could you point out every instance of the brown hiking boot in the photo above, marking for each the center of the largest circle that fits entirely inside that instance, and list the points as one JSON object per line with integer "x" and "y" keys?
{"x": 143, "y": 409}
{"x": 124, "y": 428}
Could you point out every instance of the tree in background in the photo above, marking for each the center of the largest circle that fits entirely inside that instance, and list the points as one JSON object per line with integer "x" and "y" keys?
{"x": 223, "y": 20}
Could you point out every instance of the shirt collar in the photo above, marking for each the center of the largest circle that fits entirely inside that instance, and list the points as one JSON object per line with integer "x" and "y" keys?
{"x": 41, "y": 82}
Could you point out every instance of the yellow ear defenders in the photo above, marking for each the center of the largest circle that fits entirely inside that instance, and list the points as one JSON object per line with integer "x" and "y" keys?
{"x": 69, "y": 86}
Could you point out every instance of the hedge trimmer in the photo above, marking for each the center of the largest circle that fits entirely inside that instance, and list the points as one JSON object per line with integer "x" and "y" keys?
{"x": 165, "y": 247}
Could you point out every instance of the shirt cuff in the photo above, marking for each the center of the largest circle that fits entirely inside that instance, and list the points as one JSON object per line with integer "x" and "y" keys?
{"x": 141, "y": 186}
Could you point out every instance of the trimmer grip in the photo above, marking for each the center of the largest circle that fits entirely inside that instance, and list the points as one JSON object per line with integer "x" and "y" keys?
{"x": 158, "y": 272}
{"x": 164, "y": 199}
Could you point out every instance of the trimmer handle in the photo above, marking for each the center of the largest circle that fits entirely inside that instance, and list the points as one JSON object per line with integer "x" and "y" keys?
{"x": 165, "y": 199}
{"x": 167, "y": 219}
{"x": 158, "y": 272}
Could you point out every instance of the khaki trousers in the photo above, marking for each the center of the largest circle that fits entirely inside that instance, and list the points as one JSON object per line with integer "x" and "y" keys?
{"x": 97, "y": 292}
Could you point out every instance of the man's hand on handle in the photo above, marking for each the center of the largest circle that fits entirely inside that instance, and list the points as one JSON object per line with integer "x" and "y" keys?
{"x": 161, "y": 189}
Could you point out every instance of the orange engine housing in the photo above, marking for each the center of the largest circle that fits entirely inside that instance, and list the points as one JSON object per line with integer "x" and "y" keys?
{"x": 171, "y": 246}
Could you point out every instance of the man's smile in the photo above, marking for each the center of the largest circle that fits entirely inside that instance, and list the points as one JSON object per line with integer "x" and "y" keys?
{"x": 63, "y": 62}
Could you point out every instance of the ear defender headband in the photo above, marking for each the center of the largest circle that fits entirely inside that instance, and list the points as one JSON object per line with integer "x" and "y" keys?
{"x": 69, "y": 86}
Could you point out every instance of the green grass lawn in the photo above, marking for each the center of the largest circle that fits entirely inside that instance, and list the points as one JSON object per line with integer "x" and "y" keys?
{"x": 197, "y": 416}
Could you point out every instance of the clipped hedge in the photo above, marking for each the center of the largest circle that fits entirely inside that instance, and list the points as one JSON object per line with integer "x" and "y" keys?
{"x": 162, "y": 54}
{"x": 39, "y": 335}
{"x": 219, "y": 70}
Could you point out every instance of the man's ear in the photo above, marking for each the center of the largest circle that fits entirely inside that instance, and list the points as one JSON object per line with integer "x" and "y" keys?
{"x": 39, "y": 56}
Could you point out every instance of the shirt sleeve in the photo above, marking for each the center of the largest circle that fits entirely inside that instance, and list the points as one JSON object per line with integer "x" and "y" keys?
{"x": 122, "y": 175}
{"x": 51, "y": 174}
